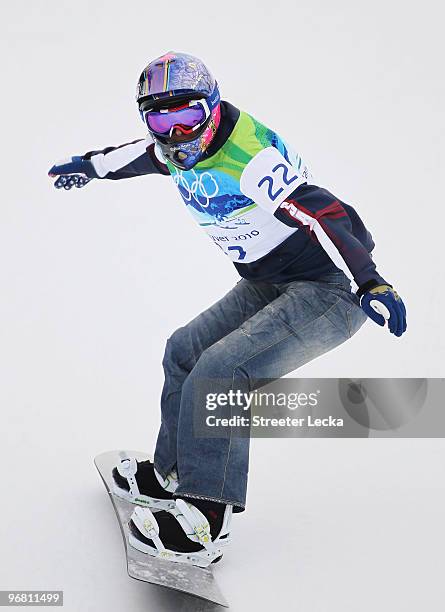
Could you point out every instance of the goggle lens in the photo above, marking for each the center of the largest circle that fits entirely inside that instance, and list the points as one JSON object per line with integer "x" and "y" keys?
{"x": 186, "y": 117}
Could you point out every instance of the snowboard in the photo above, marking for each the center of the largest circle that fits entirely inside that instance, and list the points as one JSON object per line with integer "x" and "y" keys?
{"x": 190, "y": 579}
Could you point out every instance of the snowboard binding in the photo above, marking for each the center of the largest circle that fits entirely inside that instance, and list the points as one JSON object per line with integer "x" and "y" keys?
{"x": 146, "y": 536}
{"x": 158, "y": 495}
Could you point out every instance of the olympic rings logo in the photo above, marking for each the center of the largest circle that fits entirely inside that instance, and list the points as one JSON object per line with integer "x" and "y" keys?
{"x": 202, "y": 189}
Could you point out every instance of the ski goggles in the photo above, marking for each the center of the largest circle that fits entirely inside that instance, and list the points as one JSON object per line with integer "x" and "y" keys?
{"x": 178, "y": 123}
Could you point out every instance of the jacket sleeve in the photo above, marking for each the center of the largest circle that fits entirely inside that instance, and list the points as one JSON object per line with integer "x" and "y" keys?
{"x": 339, "y": 230}
{"x": 125, "y": 161}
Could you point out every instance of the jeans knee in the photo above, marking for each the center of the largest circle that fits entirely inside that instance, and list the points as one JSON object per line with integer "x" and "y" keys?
{"x": 214, "y": 373}
{"x": 214, "y": 362}
{"x": 176, "y": 348}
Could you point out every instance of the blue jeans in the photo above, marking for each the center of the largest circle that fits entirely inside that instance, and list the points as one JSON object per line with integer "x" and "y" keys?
{"x": 258, "y": 330}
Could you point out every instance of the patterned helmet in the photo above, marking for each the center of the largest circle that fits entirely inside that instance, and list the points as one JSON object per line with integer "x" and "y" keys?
{"x": 167, "y": 83}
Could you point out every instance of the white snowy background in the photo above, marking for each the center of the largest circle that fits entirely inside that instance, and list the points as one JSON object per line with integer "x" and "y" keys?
{"x": 93, "y": 281}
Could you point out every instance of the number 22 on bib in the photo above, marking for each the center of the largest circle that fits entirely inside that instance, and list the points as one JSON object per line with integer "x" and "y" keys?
{"x": 268, "y": 179}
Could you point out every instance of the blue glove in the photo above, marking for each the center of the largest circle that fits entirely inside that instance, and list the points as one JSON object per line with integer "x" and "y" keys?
{"x": 382, "y": 304}
{"x": 72, "y": 172}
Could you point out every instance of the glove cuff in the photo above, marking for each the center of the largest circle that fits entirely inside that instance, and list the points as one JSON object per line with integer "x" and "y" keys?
{"x": 370, "y": 285}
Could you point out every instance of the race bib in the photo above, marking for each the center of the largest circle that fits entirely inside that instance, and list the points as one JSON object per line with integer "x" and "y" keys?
{"x": 268, "y": 179}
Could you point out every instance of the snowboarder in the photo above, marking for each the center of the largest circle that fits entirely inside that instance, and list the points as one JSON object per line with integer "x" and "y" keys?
{"x": 296, "y": 247}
